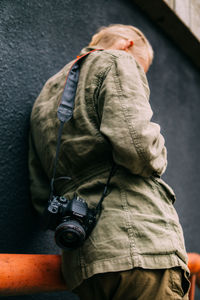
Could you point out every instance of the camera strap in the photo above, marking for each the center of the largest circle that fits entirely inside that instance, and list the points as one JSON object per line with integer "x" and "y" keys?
{"x": 64, "y": 113}
{"x": 105, "y": 191}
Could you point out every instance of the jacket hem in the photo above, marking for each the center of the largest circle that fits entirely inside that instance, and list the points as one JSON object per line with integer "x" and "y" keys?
{"x": 118, "y": 264}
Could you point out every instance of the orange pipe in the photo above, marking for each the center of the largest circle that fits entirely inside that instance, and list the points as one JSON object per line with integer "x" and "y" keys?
{"x": 194, "y": 266}
{"x": 37, "y": 273}
{"x": 30, "y": 273}
{"x": 192, "y": 287}
{"x": 194, "y": 263}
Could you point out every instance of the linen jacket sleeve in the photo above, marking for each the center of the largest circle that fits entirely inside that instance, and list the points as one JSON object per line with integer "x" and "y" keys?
{"x": 125, "y": 113}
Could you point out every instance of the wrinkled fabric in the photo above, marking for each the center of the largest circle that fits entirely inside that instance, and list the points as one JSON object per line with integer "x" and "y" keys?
{"x": 139, "y": 226}
{"x": 136, "y": 284}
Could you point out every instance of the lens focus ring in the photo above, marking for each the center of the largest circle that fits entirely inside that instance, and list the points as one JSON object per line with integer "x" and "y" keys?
{"x": 70, "y": 235}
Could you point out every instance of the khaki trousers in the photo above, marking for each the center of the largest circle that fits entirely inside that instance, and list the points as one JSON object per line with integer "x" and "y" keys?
{"x": 136, "y": 284}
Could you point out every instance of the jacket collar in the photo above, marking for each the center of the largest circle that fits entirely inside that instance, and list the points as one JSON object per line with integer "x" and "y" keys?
{"x": 88, "y": 49}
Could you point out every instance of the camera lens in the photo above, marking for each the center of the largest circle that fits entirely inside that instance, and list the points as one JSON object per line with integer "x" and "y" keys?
{"x": 69, "y": 235}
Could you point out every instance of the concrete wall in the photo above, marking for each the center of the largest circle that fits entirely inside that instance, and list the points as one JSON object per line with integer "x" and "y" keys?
{"x": 37, "y": 38}
{"x": 189, "y": 12}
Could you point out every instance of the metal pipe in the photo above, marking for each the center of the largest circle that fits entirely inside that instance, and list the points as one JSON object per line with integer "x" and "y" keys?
{"x": 192, "y": 287}
{"x": 194, "y": 266}
{"x": 194, "y": 263}
{"x": 30, "y": 273}
{"x": 22, "y": 274}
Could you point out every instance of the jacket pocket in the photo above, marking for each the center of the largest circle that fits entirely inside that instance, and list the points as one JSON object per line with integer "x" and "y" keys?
{"x": 180, "y": 281}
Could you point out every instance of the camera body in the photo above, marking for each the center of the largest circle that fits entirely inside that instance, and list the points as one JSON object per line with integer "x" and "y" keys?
{"x": 72, "y": 221}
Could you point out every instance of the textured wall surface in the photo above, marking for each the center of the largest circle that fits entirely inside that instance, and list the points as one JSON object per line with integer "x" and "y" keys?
{"x": 37, "y": 38}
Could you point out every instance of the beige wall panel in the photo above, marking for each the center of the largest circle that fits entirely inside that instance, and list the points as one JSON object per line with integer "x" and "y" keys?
{"x": 195, "y": 17}
{"x": 182, "y": 9}
{"x": 170, "y": 3}
{"x": 176, "y": 22}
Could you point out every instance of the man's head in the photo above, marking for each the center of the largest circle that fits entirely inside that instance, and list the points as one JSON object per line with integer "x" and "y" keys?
{"x": 127, "y": 38}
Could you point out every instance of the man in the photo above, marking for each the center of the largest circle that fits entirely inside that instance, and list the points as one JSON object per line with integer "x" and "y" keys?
{"x": 136, "y": 250}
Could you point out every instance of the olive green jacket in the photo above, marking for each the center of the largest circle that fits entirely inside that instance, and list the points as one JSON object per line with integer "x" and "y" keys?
{"x": 139, "y": 226}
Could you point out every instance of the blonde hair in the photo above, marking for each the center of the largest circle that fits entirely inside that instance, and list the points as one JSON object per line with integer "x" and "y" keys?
{"x": 108, "y": 36}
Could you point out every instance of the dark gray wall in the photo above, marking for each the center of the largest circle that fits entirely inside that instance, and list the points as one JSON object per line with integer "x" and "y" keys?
{"x": 37, "y": 38}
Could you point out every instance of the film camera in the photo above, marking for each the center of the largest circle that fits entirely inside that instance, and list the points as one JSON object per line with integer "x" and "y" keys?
{"x": 72, "y": 221}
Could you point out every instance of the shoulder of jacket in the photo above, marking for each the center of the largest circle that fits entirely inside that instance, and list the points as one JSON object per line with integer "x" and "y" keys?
{"x": 59, "y": 75}
{"x": 112, "y": 54}
{"x": 125, "y": 65}
{"x": 53, "y": 86}
{"x": 102, "y": 61}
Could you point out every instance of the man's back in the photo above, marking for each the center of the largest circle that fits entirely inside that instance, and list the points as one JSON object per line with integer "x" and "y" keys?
{"x": 138, "y": 226}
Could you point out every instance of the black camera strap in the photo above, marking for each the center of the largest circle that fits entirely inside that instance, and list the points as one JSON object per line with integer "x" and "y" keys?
{"x": 105, "y": 191}
{"x": 65, "y": 112}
